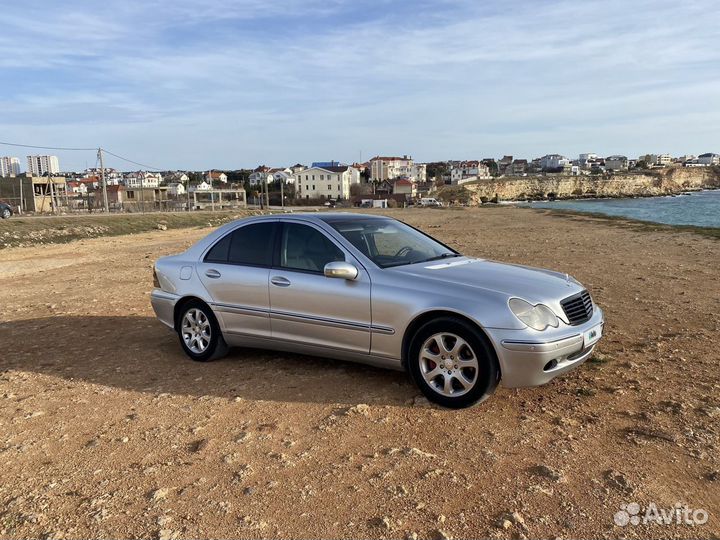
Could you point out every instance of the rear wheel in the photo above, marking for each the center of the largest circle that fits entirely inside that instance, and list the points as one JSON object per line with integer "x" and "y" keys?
{"x": 452, "y": 363}
{"x": 5, "y": 213}
{"x": 199, "y": 332}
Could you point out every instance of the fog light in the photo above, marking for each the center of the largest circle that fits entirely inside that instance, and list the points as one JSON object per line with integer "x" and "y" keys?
{"x": 552, "y": 364}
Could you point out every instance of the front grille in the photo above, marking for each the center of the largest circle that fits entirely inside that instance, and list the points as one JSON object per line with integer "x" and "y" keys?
{"x": 578, "y": 308}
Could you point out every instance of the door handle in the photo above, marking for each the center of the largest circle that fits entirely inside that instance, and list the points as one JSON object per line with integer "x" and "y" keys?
{"x": 280, "y": 281}
{"x": 212, "y": 273}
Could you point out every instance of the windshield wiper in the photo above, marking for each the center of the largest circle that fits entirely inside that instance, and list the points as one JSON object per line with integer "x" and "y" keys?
{"x": 436, "y": 258}
{"x": 441, "y": 256}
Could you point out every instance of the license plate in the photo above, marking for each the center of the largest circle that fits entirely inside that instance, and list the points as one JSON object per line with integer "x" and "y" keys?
{"x": 592, "y": 335}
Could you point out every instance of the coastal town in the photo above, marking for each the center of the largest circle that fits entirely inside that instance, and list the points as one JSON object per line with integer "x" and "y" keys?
{"x": 383, "y": 181}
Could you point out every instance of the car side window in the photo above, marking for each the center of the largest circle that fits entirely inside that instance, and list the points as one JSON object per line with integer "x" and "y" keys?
{"x": 249, "y": 245}
{"x": 219, "y": 252}
{"x": 305, "y": 248}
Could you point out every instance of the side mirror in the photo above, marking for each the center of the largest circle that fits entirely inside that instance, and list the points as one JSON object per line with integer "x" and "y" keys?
{"x": 341, "y": 269}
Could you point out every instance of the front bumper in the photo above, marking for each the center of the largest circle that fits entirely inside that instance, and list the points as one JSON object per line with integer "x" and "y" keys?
{"x": 527, "y": 360}
{"x": 163, "y": 304}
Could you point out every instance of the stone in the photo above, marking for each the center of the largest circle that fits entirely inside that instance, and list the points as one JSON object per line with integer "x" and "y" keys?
{"x": 361, "y": 408}
{"x": 547, "y": 472}
{"x": 159, "y": 494}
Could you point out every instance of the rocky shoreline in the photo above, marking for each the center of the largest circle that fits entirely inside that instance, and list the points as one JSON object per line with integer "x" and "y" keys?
{"x": 672, "y": 181}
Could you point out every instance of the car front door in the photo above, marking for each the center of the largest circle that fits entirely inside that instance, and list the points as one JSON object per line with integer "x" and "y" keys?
{"x": 306, "y": 306}
{"x": 235, "y": 272}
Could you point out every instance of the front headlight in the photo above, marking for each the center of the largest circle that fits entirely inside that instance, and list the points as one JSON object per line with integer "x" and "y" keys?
{"x": 536, "y": 317}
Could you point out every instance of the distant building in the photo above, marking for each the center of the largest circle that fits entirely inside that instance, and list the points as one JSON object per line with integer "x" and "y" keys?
{"x": 79, "y": 188}
{"x": 325, "y": 164}
{"x": 202, "y": 186}
{"x": 326, "y": 182}
{"x": 282, "y": 175}
{"x": 553, "y": 162}
{"x": 468, "y": 169}
{"x": 176, "y": 189}
{"x": 142, "y": 180}
{"x": 9, "y": 166}
{"x": 708, "y": 159}
{"x": 519, "y": 167}
{"x": 259, "y": 175}
{"x": 297, "y": 168}
{"x": 404, "y": 186}
{"x": 659, "y": 160}
{"x": 41, "y": 165}
{"x": 587, "y": 159}
{"x": 391, "y": 167}
{"x": 616, "y": 163}
{"x": 504, "y": 164}
{"x": 177, "y": 178}
{"x": 216, "y": 176}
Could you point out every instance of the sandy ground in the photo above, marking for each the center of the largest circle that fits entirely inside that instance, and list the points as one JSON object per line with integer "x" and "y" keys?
{"x": 107, "y": 430}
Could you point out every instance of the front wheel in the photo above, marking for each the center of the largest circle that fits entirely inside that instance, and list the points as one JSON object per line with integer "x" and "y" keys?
{"x": 199, "y": 332}
{"x": 452, "y": 363}
{"x": 6, "y": 213}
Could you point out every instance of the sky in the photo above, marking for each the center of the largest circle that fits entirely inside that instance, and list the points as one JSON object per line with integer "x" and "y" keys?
{"x": 199, "y": 84}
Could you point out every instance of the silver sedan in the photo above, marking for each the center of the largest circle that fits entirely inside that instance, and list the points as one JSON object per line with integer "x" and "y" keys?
{"x": 372, "y": 289}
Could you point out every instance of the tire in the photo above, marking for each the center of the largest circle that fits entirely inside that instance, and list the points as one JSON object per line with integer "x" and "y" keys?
{"x": 5, "y": 213}
{"x": 202, "y": 339}
{"x": 458, "y": 366}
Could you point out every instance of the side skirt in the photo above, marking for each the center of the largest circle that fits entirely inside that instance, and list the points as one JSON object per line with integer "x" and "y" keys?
{"x": 255, "y": 342}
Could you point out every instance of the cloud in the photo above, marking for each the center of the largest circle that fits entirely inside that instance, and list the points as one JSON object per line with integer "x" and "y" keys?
{"x": 305, "y": 79}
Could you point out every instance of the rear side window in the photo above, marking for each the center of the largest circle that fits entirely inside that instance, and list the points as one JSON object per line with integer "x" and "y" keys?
{"x": 250, "y": 245}
{"x": 219, "y": 252}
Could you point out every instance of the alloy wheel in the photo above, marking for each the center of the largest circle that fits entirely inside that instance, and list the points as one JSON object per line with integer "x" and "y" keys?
{"x": 448, "y": 364}
{"x": 196, "y": 331}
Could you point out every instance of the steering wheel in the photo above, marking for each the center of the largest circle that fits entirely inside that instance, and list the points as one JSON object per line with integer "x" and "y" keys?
{"x": 403, "y": 251}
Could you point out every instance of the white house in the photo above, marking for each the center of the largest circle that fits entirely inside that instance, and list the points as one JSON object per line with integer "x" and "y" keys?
{"x": 391, "y": 167}
{"x": 216, "y": 176}
{"x": 468, "y": 169}
{"x": 328, "y": 182}
{"x": 77, "y": 187}
{"x": 143, "y": 180}
{"x": 282, "y": 175}
{"x": 551, "y": 162}
{"x": 585, "y": 160}
{"x": 176, "y": 189}
{"x": 259, "y": 175}
{"x": 202, "y": 186}
{"x": 659, "y": 160}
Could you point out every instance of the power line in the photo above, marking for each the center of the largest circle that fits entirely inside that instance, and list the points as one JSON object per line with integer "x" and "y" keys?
{"x": 47, "y": 147}
{"x": 130, "y": 160}
{"x": 65, "y": 148}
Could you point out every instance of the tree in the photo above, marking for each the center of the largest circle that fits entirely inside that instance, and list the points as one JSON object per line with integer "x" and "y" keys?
{"x": 642, "y": 164}
{"x": 437, "y": 169}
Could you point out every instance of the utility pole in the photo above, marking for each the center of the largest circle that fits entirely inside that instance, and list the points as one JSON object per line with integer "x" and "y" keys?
{"x": 102, "y": 181}
{"x": 282, "y": 195}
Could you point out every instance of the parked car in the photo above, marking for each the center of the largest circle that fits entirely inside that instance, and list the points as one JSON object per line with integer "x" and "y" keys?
{"x": 429, "y": 201}
{"x": 372, "y": 289}
{"x": 5, "y": 210}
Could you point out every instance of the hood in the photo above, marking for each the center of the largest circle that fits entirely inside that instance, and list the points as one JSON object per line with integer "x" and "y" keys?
{"x": 535, "y": 285}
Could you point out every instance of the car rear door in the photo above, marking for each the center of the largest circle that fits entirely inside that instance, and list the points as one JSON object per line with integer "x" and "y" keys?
{"x": 235, "y": 272}
{"x": 306, "y": 306}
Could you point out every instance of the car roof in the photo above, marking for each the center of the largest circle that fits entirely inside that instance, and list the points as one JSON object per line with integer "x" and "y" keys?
{"x": 327, "y": 217}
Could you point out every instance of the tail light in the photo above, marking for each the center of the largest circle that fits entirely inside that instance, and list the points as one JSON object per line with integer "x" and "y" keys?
{"x": 156, "y": 281}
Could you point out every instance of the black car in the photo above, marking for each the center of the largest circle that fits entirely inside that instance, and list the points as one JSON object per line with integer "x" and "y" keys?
{"x": 5, "y": 210}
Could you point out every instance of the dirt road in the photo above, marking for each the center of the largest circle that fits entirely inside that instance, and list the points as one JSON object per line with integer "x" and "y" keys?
{"x": 107, "y": 430}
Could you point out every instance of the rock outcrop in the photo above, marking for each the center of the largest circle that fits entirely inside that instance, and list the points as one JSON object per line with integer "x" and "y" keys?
{"x": 667, "y": 182}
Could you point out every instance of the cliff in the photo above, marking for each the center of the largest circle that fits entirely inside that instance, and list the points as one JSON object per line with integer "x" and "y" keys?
{"x": 666, "y": 182}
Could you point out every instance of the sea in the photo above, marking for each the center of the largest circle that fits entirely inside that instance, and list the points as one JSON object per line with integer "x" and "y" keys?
{"x": 699, "y": 208}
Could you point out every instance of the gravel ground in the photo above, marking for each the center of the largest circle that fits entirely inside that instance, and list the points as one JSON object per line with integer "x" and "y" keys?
{"x": 107, "y": 430}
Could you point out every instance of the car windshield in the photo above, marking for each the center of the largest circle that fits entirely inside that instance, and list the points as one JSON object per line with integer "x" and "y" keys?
{"x": 388, "y": 242}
